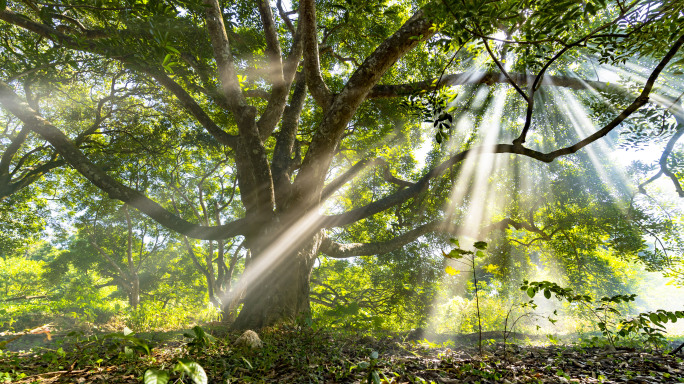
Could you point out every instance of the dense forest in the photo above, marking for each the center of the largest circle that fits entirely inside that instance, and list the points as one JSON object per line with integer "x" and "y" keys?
{"x": 487, "y": 186}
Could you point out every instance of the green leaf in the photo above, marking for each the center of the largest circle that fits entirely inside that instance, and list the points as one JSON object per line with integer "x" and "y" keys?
{"x": 481, "y": 245}
{"x": 172, "y": 49}
{"x": 192, "y": 369}
{"x": 530, "y": 292}
{"x": 375, "y": 377}
{"x": 249, "y": 365}
{"x": 456, "y": 253}
{"x": 654, "y": 318}
{"x": 3, "y": 4}
{"x": 156, "y": 376}
{"x": 547, "y": 293}
{"x": 672, "y": 316}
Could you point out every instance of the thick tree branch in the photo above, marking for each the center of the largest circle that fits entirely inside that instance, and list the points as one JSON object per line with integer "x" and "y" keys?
{"x": 662, "y": 162}
{"x": 273, "y": 52}
{"x": 505, "y": 73}
{"x": 285, "y": 142}
{"x": 340, "y": 251}
{"x": 86, "y": 45}
{"x": 115, "y": 189}
{"x": 224, "y": 57}
{"x": 641, "y": 100}
{"x": 423, "y": 184}
{"x": 11, "y": 150}
{"x": 274, "y": 68}
{"x": 488, "y": 78}
{"x": 254, "y": 174}
{"x": 254, "y": 171}
{"x": 46, "y": 31}
{"x": 286, "y": 19}
{"x": 190, "y": 105}
{"x": 505, "y": 223}
{"x": 329, "y": 133}
{"x": 280, "y": 90}
{"x": 312, "y": 66}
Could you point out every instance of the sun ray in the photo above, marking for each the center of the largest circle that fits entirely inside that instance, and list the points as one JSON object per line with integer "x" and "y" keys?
{"x": 576, "y": 115}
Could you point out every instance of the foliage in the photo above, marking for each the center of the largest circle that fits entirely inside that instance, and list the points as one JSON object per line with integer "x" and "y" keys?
{"x": 649, "y": 325}
{"x": 393, "y": 293}
{"x": 36, "y": 295}
{"x": 200, "y": 339}
{"x": 302, "y": 355}
{"x": 155, "y": 316}
{"x": 186, "y": 368}
{"x": 609, "y": 319}
{"x": 131, "y": 344}
{"x": 21, "y": 218}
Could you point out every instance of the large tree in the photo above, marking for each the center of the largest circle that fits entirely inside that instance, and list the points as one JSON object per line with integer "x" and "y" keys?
{"x": 300, "y": 103}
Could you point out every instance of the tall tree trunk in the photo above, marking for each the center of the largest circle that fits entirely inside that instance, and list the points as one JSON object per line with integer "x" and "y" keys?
{"x": 279, "y": 292}
{"x": 232, "y": 296}
{"x": 211, "y": 277}
{"x": 134, "y": 293}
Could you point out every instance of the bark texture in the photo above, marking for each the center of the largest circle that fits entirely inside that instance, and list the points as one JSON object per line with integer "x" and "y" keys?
{"x": 280, "y": 292}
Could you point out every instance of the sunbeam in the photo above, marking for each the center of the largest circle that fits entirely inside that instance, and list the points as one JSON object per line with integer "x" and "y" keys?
{"x": 583, "y": 126}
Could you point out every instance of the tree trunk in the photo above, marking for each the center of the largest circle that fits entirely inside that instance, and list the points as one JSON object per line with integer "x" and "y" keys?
{"x": 230, "y": 307}
{"x": 134, "y": 293}
{"x": 280, "y": 291}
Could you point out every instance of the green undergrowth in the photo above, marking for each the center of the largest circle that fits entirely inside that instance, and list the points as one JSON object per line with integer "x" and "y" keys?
{"x": 292, "y": 354}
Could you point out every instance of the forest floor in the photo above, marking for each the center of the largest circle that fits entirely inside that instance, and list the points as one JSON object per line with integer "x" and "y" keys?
{"x": 293, "y": 355}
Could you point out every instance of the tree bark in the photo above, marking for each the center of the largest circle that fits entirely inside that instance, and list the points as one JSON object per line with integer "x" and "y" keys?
{"x": 134, "y": 293}
{"x": 279, "y": 292}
